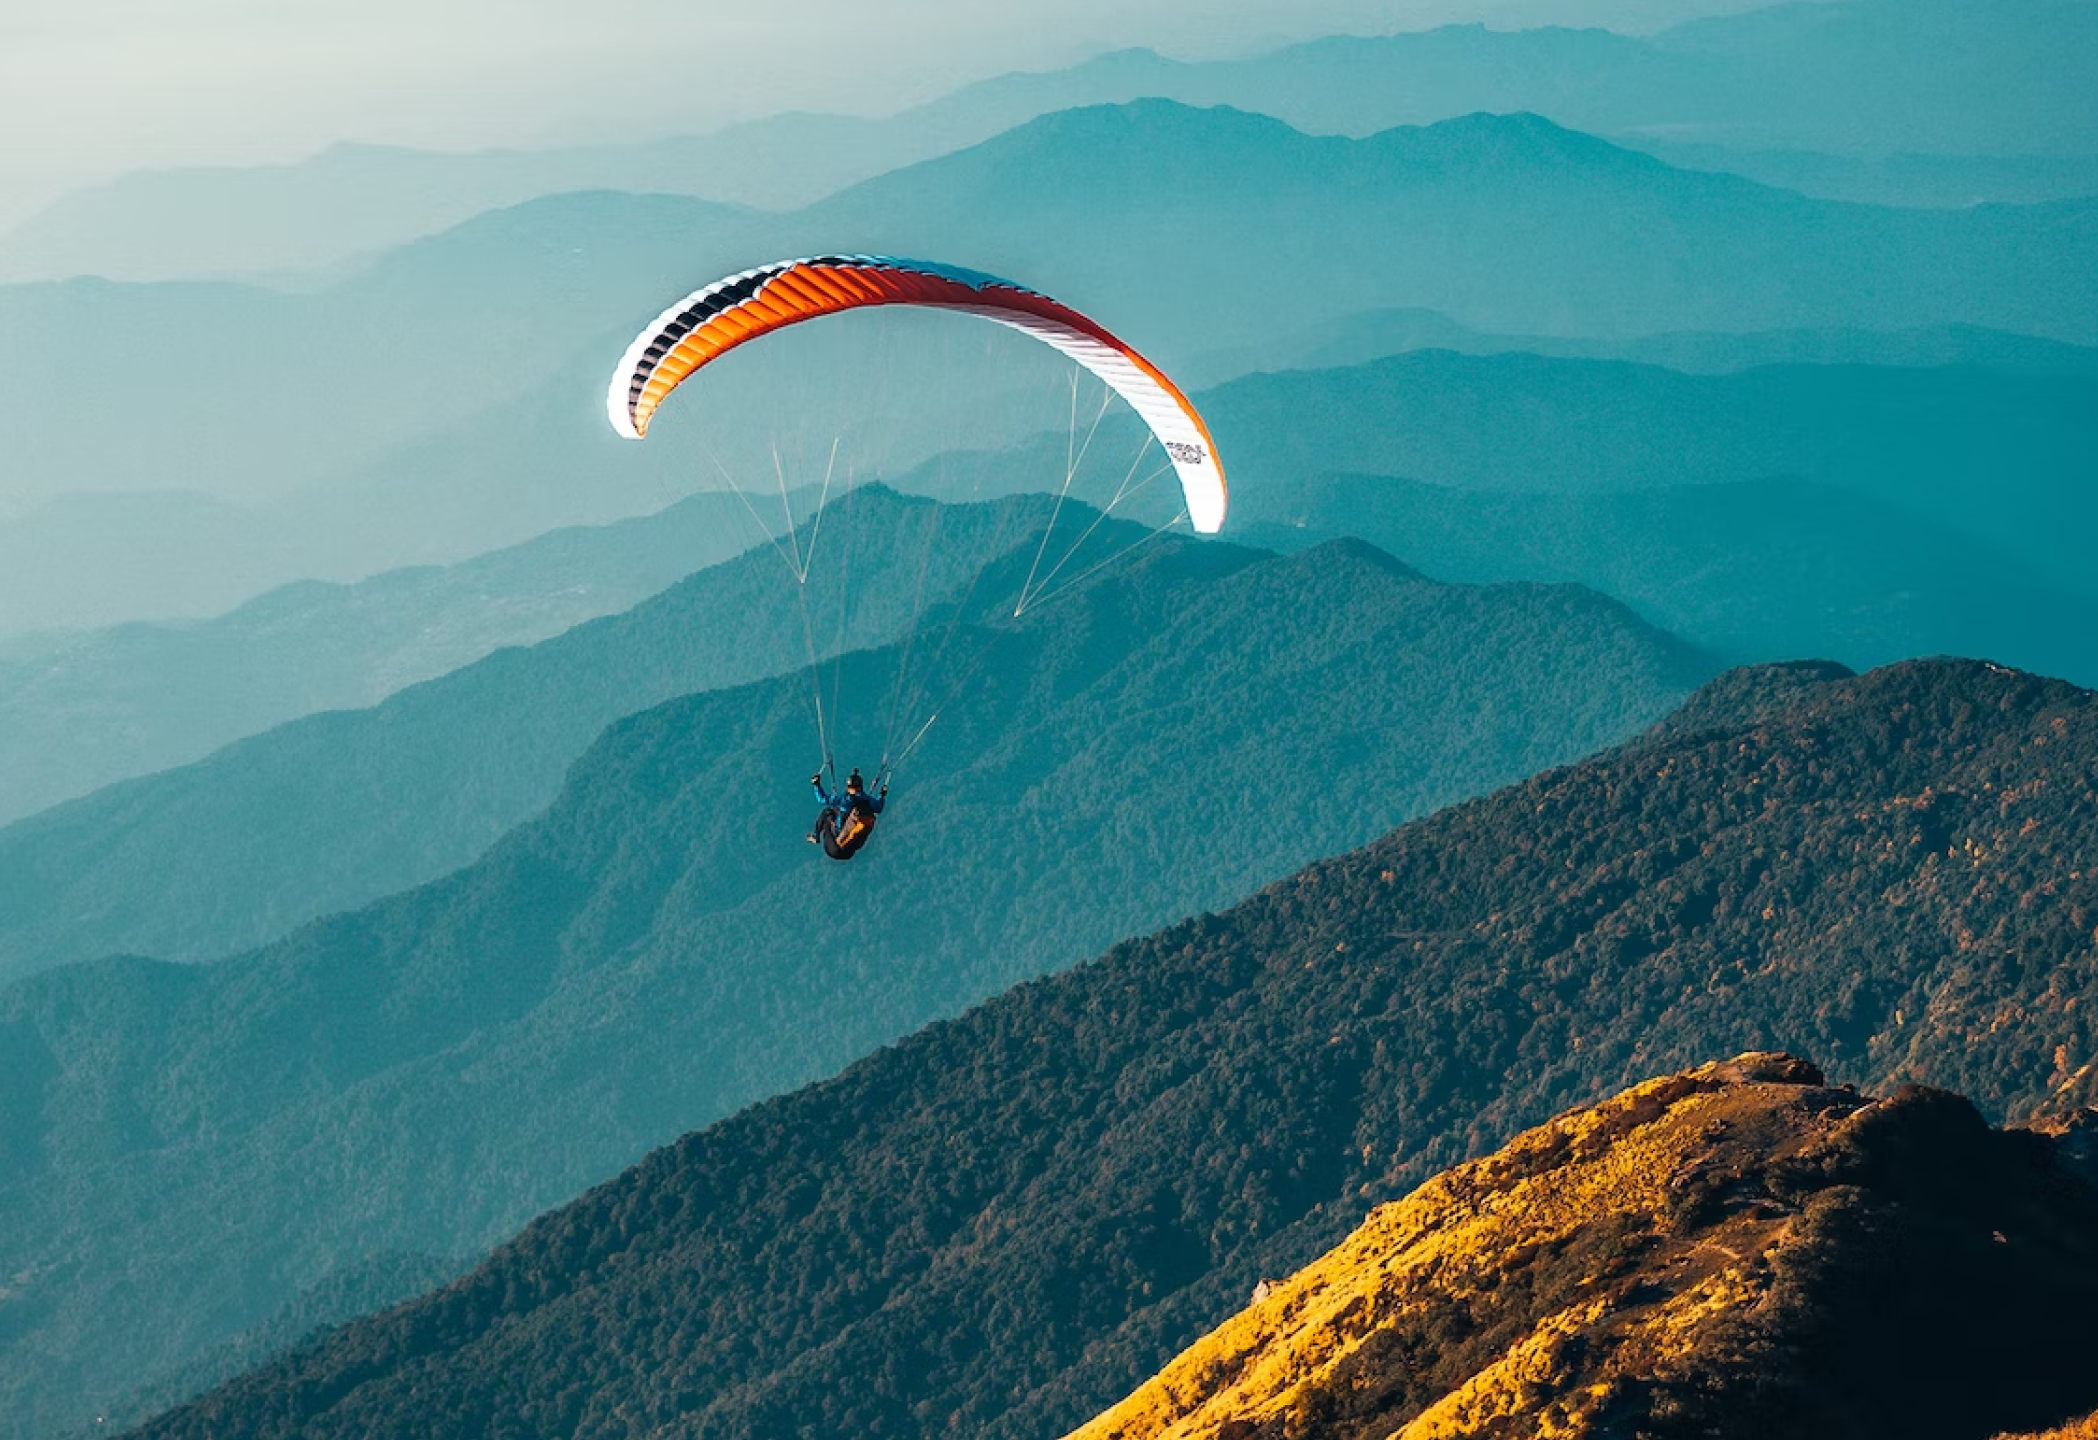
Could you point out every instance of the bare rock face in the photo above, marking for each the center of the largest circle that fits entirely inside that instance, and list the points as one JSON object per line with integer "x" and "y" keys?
{"x": 1738, "y": 1250}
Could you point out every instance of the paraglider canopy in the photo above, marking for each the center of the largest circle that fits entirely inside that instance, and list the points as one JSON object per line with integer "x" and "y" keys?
{"x": 708, "y": 323}
{"x": 712, "y": 321}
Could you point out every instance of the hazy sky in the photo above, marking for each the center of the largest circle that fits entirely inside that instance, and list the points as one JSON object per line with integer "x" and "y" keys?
{"x": 91, "y": 88}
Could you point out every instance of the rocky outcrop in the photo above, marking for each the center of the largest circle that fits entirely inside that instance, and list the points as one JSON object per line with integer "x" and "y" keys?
{"x": 1738, "y": 1250}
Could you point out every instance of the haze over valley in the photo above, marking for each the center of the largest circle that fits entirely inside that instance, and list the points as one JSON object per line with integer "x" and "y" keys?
{"x": 1473, "y": 746}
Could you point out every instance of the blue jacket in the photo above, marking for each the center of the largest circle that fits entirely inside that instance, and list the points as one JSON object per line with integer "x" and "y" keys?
{"x": 844, "y": 800}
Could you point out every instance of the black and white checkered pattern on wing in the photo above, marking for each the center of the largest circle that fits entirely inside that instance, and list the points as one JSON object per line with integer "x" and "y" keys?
{"x": 727, "y": 294}
{"x": 704, "y": 306}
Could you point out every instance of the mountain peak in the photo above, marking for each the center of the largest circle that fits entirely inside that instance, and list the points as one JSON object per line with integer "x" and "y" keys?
{"x": 1515, "y": 132}
{"x": 1351, "y": 551}
{"x": 1519, "y": 137}
{"x": 1150, "y": 115}
{"x": 1948, "y": 689}
{"x": 1734, "y": 1250}
{"x": 1750, "y": 693}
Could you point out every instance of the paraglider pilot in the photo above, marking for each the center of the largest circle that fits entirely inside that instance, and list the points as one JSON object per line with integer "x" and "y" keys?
{"x": 847, "y": 818}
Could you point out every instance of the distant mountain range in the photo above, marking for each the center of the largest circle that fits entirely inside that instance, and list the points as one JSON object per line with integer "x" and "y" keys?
{"x": 1738, "y": 1251}
{"x": 1902, "y": 178}
{"x": 1370, "y": 335}
{"x": 1506, "y": 223}
{"x": 190, "y": 1147}
{"x": 2001, "y": 459}
{"x": 893, "y": 393}
{"x": 1011, "y": 1220}
{"x": 80, "y": 711}
{"x": 1873, "y": 100}
{"x": 1503, "y": 222}
{"x": 543, "y": 460}
{"x": 245, "y": 393}
{"x": 361, "y": 413}
{"x": 1862, "y": 514}
{"x": 1752, "y": 570}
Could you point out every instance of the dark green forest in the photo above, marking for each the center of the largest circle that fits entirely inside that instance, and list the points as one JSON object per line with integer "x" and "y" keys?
{"x": 191, "y": 1146}
{"x": 1009, "y": 1219}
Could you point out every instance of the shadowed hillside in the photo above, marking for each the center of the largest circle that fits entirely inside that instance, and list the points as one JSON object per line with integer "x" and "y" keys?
{"x": 187, "y": 1147}
{"x": 1738, "y": 1251}
{"x": 1005, "y": 1223}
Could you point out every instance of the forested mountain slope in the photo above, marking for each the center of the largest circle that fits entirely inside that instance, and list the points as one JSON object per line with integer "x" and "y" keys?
{"x": 1737, "y": 1251}
{"x": 189, "y": 1147}
{"x": 80, "y": 711}
{"x": 1011, "y": 1220}
{"x": 337, "y": 809}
